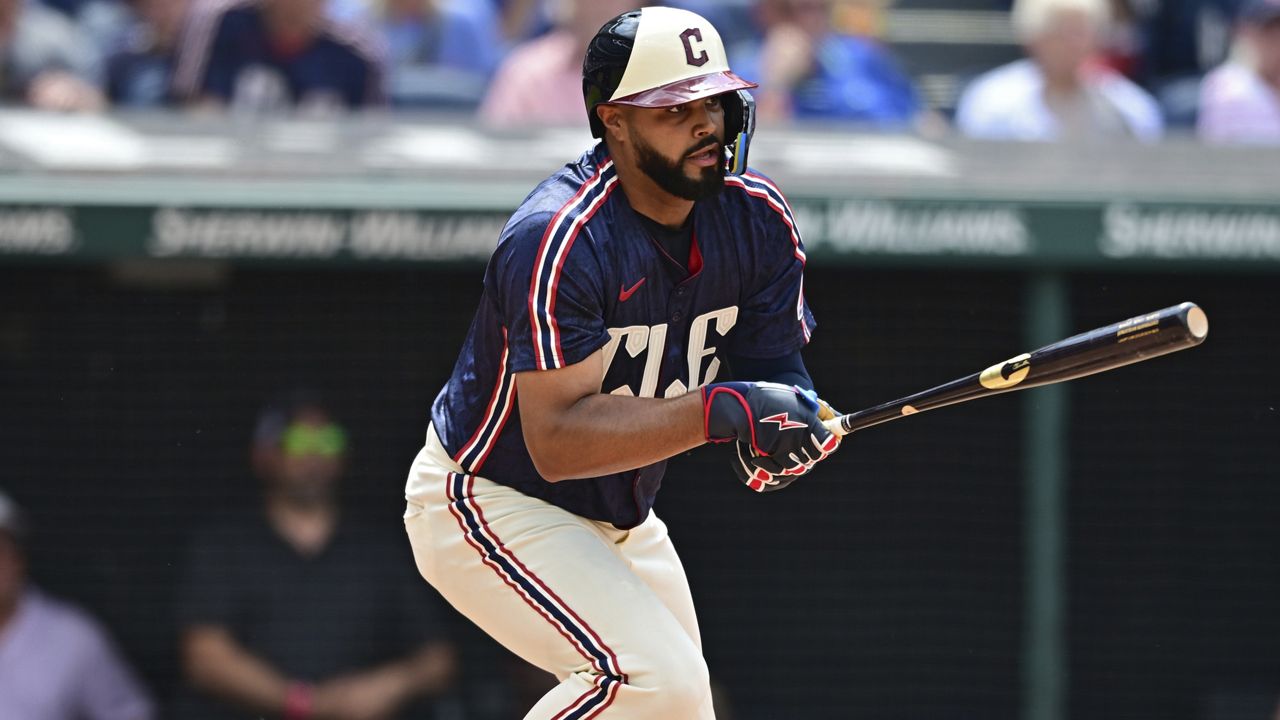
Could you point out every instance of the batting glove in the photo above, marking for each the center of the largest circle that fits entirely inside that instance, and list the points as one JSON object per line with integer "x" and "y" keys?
{"x": 779, "y": 425}
{"x": 754, "y": 477}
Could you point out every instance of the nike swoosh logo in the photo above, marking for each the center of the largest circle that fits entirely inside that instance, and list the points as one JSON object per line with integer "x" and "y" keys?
{"x": 624, "y": 294}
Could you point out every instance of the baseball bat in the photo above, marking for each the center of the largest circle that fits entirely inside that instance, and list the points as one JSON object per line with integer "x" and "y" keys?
{"x": 1106, "y": 348}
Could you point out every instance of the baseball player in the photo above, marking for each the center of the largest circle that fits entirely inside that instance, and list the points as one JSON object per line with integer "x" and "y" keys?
{"x": 622, "y": 292}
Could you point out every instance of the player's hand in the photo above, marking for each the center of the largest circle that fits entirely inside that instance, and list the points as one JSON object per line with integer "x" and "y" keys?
{"x": 780, "y": 425}
{"x": 754, "y": 477}
{"x": 750, "y": 466}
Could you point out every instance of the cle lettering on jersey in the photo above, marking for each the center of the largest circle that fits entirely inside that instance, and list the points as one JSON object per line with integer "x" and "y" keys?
{"x": 651, "y": 341}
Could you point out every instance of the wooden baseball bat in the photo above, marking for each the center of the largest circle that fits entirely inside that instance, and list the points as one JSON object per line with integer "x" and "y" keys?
{"x": 1106, "y": 348}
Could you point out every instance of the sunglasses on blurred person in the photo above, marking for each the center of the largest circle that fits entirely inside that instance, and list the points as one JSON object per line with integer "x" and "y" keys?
{"x": 324, "y": 440}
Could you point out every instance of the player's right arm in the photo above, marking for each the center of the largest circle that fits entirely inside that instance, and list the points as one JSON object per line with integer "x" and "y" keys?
{"x": 572, "y": 430}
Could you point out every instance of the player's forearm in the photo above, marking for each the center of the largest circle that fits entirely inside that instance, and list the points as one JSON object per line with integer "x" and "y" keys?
{"x": 602, "y": 434}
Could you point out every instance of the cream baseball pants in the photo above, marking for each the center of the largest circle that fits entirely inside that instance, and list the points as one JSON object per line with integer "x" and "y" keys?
{"x": 607, "y": 611}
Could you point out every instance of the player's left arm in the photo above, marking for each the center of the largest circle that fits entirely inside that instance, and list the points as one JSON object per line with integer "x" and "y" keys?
{"x": 763, "y": 474}
{"x": 788, "y": 369}
{"x": 775, "y": 323}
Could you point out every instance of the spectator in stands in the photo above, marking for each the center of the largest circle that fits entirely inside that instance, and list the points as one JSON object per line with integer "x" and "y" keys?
{"x": 517, "y": 20}
{"x": 1240, "y": 100}
{"x": 44, "y": 60}
{"x": 1060, "y": 91}
{"x": 297, "y": 609}
{"x": 808, "y": 70}
{"x": 540, "y": 82}
{"x": 56, "y": 662}
{"x": 438, "y": 56}
{"x": 140, "y": 73}
{"x": 273, "y": 54}
{"x": 69, "y": 7}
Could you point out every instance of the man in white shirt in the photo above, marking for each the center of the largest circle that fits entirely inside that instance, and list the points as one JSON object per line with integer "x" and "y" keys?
{"x": 1060, "y": 91}
{"x": 1240, "y": 100}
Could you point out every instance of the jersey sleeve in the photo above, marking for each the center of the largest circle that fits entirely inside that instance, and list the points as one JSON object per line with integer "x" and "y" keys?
{"x": 774, "y": 319}
{"x": 547, "y": 279}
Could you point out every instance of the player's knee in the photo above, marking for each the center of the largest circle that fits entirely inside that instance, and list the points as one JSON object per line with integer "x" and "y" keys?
{"x": 679, "y": 682}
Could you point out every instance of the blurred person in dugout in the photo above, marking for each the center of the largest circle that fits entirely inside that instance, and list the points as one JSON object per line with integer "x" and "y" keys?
{"x": 45, "y": 61}
{"x": 809, "y": 69}
{"x": 276, "y": 55}
{"x": 540, "y": 81}
{"x": 1240, "y": 100}
{"x": 295, "y": 609}
{"x": 56, "y": 662}
{"x": 1061, "y": 91}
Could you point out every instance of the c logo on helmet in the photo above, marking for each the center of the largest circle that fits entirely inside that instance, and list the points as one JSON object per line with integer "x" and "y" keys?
{"x": 687, "y": 37}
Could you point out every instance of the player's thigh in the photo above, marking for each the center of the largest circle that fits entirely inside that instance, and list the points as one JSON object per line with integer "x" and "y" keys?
{"x": 543, "y": 582}
{"x": 653, "y": 558}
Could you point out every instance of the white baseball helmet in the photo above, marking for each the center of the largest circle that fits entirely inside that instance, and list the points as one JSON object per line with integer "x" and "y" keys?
{"x": 659, "y": 57}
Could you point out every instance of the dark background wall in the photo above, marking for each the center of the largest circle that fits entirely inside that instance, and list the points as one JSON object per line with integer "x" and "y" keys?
{"x": 887, "y": 585}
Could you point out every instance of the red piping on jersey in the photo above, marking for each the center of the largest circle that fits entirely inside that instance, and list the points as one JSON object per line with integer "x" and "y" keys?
{"x": 562, "y": 253}
{"x": 490, "y": 438}
{"x": 783, "y": 210}
{"x": 497, "y": 433}
{"x": 578, "y": 222}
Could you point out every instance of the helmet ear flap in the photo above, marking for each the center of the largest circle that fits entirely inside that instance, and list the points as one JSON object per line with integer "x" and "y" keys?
{"x": 739, "y": 127}
{"x": 597, "y": 127}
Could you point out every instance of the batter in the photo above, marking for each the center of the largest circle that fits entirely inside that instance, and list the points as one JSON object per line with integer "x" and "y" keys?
{"x": 624, "y": 293}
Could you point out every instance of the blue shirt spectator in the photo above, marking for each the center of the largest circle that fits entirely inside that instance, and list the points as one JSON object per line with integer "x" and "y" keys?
{"x": 272, "y": 54}
{"x": 438, "y": 56}
{"x": 140, "y": 71}
{"x": 808, "y": 70}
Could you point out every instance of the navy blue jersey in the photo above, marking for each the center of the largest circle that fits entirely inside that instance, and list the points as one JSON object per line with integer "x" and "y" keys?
{"x": 575, "y": 272}
{"x": 228, "y": 53}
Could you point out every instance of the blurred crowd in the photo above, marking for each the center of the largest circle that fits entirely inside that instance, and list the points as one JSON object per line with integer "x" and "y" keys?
{"x": 1090, "y": 68}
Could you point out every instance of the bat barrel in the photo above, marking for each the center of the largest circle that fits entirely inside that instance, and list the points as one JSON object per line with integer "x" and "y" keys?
{"x": 1139, "y": 338}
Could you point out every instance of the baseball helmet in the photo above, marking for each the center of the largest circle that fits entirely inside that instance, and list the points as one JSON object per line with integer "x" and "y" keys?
{"x": 660, "y": 57}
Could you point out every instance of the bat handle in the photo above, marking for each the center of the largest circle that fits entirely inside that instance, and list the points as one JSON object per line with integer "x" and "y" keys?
{"x": 836, "y": 426}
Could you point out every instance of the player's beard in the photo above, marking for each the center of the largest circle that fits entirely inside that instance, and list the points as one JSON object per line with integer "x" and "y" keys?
{"x": 671, "y": 177}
